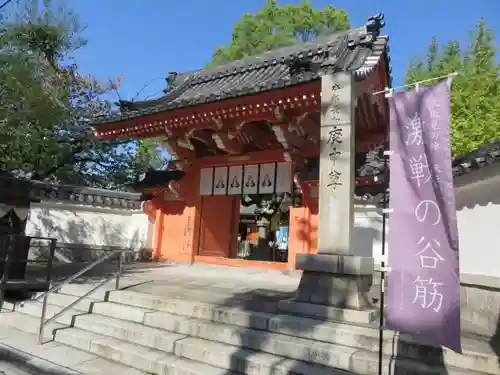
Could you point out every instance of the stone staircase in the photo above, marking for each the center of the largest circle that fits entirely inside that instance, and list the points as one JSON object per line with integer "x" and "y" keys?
{"x": 181, "y": 335}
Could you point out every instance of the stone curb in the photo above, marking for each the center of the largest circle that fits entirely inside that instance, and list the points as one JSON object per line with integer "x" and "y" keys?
{"x": 33, "y": 364}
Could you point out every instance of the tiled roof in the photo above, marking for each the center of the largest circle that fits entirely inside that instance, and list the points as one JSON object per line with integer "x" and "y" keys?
{"x": 35, "y": 190}
{"x": 480, "y": 158}
{"x": 357, "y": 50}
{"x": 479, "y": 164}
{"x": 153, "y": 178}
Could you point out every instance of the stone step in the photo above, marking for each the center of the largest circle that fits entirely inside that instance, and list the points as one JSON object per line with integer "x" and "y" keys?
{"x": 245, "y": 361}
{"x": 323, "y": 312}
{"x": 304, "y": 350}
{"x": 34, "y": 309}
{"x": 213, "y": 353}
{"x": 478, "y": 355}
{"x": 28, "y": 324}
{"x": 139, "y": 357}
{"x": 22, "y": 349}
{"x": 129, "y": 331}
{"x": 201, "y": 310}
{"x": 253, "y": 300}
{"x": 64, "y": 300}
{"x": 78, "y": 290}
{"x": 225, "y": 314}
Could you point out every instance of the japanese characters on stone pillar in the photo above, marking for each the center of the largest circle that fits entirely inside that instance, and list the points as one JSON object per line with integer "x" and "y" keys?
{"x": 336, "y": 276}
{"x": 336, "y": 176}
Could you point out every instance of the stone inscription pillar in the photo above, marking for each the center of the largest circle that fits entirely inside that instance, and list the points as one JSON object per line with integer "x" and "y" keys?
{"x": 336, "y": 276}
{"x": 336, "y": 168}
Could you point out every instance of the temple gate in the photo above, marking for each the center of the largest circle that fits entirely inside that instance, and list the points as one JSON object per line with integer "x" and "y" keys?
{"x": 288, "y": 143}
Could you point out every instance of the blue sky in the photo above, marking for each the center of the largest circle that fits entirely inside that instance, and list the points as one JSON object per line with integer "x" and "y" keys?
{"x": 143, "y": 40}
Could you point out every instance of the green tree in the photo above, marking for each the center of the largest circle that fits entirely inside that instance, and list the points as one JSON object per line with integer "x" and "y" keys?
{"x": 47, "y": 106}
{"x": 276, "y": 26}
{"x": 475, "y": 91}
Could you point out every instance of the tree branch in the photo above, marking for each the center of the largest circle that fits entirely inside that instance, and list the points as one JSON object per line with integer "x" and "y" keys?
{"x": 73, "y": 160}
{"x": 5, "y": 3}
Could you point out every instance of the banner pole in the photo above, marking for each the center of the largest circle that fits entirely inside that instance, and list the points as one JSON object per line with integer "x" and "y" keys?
{"x": 383, "y": 269}
{"x": 388, "y": 91}
{"x": 383, "y": 264}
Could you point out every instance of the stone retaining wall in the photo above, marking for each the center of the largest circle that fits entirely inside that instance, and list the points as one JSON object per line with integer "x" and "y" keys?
{"x": 83, "y": 253}
{"x": 480, "y": 304}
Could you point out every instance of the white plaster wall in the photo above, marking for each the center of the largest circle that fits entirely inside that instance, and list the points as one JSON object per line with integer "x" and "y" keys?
{"x": 478, "y": 217}
{"x": 367, "y": 239}
{"x": 88, "y": 225}
{"x": 479, "y": 240}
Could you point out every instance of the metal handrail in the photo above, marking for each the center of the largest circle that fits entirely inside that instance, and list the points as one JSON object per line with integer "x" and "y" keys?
{"x": 65, "y": 282}
{"x": 8, "y": 261}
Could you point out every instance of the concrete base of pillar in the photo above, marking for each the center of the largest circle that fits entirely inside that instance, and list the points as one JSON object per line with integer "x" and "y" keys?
{"x": 335, "y": 280}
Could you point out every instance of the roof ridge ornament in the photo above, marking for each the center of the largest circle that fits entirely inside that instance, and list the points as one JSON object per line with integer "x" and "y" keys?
{"x": 170, "y": 81}
{"x": 368, "y": 34}
{"x": 375, "y": 24}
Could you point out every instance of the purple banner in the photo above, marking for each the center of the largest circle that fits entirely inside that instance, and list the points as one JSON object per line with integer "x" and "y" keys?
{"x": 423, "y": 279}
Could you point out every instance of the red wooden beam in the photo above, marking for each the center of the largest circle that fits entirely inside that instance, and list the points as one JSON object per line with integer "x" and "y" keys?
{"x": 308, "y": 126}
{"x": 256, "y": 157}
{"x": 229, "y": 145}
{"x": 251, "y": 107}
{"x": 288, "y": 139}
{"x": 204, "y": 137}
{"x": 252, "y": 135}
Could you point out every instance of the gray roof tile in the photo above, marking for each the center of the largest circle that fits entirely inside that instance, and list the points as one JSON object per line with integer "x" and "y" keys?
{"x": 37, "y": 190}
{"x": 357, "y": 50}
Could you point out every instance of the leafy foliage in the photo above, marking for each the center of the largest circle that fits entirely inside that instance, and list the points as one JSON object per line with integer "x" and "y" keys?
{"x": 47, "y": 105}
{"x": 475, "y": 91}
{"x": 276, "y": 26}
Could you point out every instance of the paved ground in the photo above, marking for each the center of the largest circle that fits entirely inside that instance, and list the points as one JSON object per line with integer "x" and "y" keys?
{"x": 212, "y": 282}
{"x": 249, "y": 291}
{"x": 215, "y": 272}
{"x": 8, "y": 369}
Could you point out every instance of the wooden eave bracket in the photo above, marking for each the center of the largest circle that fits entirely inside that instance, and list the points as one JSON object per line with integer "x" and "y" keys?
{"x": 301, "y": 125}
{"x": 229, "y": 145}
{"x": 305, "y": 126}
{"x": 224, "y": 140}
{"x": 290, "y": 133}
{"x": 200, "y": 136}
{"x": 290, "y": 140}
{"x": 250, "y": 134}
